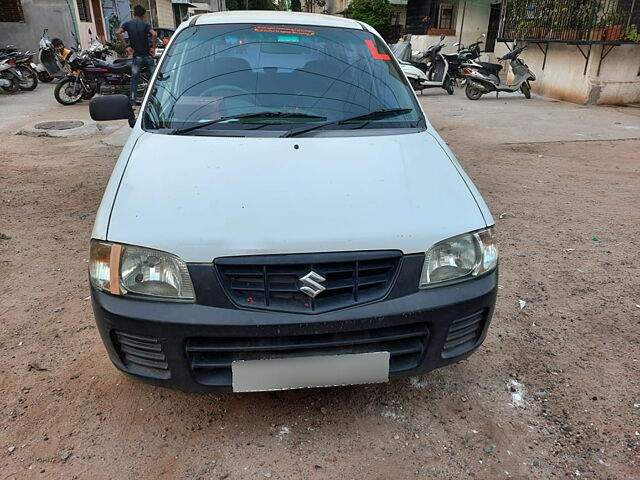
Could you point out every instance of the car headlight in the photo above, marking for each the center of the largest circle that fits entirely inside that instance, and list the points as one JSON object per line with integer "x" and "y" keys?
{"x": 139, "y": 272}
{"x": 459, "y": 258}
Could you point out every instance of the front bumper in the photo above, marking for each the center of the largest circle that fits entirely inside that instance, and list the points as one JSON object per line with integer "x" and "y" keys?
{"x": 191, "y": 346}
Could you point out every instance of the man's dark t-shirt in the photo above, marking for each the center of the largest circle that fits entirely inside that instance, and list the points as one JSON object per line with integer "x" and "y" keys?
{"x": 138, "y": 36}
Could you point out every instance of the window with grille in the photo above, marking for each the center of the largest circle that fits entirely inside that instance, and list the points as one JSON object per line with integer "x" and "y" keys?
{"x": 11, "y": 11}
{"x": 84, "y": 10}
{"x": 445, "y": 16}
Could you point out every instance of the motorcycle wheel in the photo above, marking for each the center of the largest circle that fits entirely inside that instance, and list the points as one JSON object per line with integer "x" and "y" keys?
{"x": 14, "y": 87}
{"x": 448, "y": 85}
{"x": 29, "y": 78}
{"x": 88, "y": 95}
{"x": 68, "y": 92}
{"x": 45, "y": 77}
{"x": 472, "y": 92}
{"x": 526, "y": 90}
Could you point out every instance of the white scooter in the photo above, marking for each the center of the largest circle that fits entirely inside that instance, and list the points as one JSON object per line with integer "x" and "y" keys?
{"x": 430, "y": 71}
{"x": 49, "y": 65}
{"x": 484, "y": 77}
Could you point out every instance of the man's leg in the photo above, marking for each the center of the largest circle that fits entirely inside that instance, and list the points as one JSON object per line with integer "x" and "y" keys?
{"x": 135, "y": 76}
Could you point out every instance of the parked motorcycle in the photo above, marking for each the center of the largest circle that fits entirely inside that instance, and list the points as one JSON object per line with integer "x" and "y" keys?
{"x": 10, "y": 77}
{"x": 22, "y": 63}
{"x": 92, "y": 75}
{"x": 430, "y": 71}
{"x": 463, "y": 55}
{"x": 484, "y": 77}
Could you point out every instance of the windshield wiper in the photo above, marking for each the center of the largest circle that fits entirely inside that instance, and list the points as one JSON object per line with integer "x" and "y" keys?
{"x": 375, "y": 115}
{"x": 180, "y": 131}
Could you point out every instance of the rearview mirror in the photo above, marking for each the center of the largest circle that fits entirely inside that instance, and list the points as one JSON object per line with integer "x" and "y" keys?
{"x": 442, "y": 37}
{"x": 112, "y": 107}
{"x": 457, "y": 44}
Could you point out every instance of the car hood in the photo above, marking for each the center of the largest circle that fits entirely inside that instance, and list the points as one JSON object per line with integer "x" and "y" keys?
{"x": 206, "y": 197}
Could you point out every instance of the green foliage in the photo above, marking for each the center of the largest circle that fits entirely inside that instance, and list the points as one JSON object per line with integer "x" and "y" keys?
{"x": 114, "y": 24}
{"x": 612, "y": 18}
{"x": 252, "y": 4}
{"x": 296, "y": 6}
{"x": 376, "y": 13}
{"x": 262, "y": 5}
{"x": 118, "y": 48}
{"x": 633, "y": 34}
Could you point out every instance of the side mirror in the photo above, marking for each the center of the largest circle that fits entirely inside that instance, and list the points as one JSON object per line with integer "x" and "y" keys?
{"x": 112, "y": 107}
{"x": 457, "y": 44}
{"x": 90, "y": 32}
{"x": 442, "y": 37}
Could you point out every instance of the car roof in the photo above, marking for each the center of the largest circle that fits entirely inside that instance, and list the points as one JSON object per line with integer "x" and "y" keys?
{"x": 277, "y": 17}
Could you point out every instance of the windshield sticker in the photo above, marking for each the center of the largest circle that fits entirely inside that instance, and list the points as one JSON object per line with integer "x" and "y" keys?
{"x": 375, "y": 53}
{"x": 285, "y": 30}
{"x": 289, "y": 38}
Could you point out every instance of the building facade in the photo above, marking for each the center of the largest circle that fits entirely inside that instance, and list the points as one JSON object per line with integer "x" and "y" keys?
{"x": 458, "y": 20}
{"x": 23, "y": 21}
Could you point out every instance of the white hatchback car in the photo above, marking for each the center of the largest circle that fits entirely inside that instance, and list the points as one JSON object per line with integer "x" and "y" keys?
{"x": 283, "y": 215}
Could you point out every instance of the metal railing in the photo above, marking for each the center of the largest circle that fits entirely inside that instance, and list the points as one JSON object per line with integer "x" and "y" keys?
{"x": 585, "y": 21}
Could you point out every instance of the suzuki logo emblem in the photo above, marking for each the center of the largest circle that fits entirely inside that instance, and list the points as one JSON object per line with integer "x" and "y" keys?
{"x": 311, "y": 284}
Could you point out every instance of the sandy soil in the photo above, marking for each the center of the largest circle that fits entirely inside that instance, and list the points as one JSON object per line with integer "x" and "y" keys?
{"x": 554, "y": 391}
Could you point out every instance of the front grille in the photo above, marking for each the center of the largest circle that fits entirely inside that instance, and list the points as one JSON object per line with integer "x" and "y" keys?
{"x": 141, "y": 355}
{"x": 274, "y": 282}
{"x": 463, "y": 335}
{"x": 210, "y": 358}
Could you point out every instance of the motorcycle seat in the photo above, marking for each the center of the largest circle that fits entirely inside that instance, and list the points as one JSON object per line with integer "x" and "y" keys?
{"x": 119, "y": 67}
{"x": 451, "y": 58}
{"x": 493, "y": 68}
{"x": 113, "y": 67}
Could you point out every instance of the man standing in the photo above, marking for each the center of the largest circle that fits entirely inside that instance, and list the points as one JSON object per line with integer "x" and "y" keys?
{"x": 138, "y": 46}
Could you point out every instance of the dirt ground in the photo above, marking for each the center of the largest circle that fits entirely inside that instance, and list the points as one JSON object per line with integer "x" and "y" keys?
{"x": 553, "y": 392}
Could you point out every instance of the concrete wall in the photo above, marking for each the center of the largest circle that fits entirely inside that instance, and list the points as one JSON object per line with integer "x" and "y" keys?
{"x": 58, "y": 16}
{"x": 563, "y": 78}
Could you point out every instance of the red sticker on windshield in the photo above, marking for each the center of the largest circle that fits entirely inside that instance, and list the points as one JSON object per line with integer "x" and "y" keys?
{"x": 375, "y": 53}
{"x": 285, "y": 30}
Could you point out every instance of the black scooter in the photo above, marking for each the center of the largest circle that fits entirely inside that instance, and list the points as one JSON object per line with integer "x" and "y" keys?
{"x": 463, "y": 55}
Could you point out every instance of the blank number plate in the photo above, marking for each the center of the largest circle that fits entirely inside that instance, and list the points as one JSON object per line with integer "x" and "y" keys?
{"x": 309, "y": 372}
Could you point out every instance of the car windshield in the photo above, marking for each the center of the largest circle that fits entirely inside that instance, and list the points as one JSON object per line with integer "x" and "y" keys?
{"x": 274, "y": 78}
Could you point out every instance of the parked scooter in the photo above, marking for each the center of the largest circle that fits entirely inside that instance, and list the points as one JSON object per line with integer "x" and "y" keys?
{"x": 22, "y": 63}
{"x": 10, "y": 77}
{"x": 430, "y": 71}
{"x": 484, "y": 77}
{"x": 49, "y": 63}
